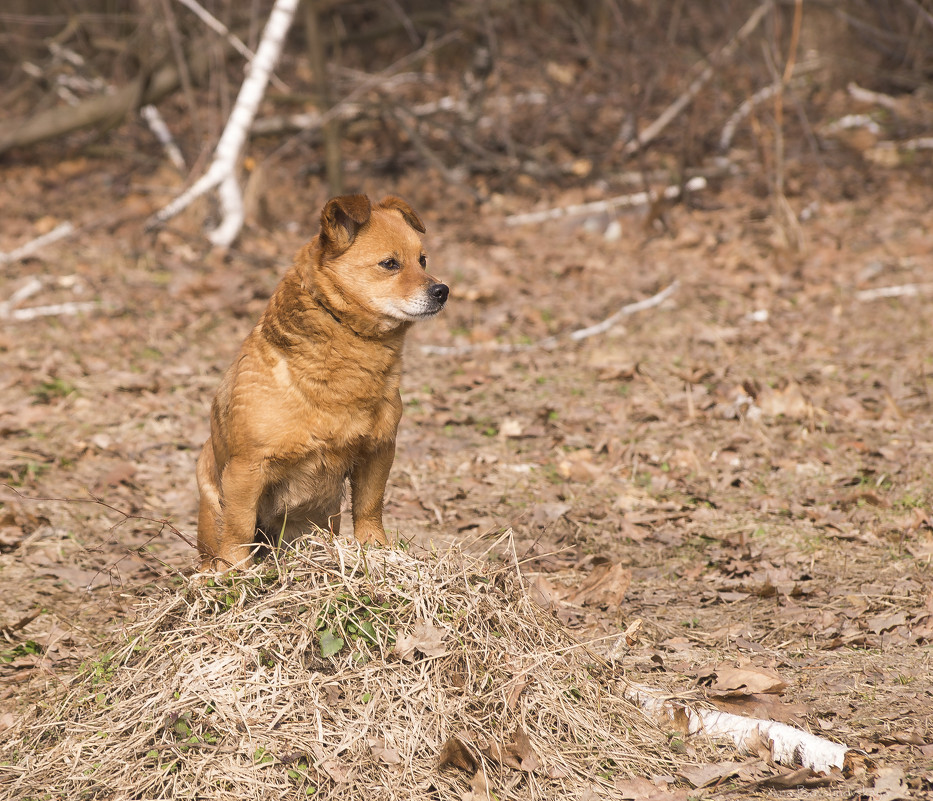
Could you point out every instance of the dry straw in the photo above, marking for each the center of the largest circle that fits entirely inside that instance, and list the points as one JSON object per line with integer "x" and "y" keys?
{"x": 336, "y": 671}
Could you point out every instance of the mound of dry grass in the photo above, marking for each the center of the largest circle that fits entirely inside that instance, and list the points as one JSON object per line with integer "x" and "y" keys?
{"x": 339, "y": 672}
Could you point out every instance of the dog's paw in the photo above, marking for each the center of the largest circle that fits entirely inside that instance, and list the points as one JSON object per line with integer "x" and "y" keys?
{"x": 370, "y": 535}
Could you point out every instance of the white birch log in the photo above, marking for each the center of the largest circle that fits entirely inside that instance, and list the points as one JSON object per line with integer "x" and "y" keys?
{"x": 788, "y": 745}
{"x": 222, "y": 170}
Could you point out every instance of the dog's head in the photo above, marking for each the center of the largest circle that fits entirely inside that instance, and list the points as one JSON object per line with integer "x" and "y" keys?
{"x": 373, "y": 258}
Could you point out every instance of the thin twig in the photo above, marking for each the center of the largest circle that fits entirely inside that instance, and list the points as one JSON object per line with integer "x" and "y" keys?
{"x": 232, "y": 39}
{"x": 227, "y": 152}
{"x": 675, "y": 108}
{"x": 161, "y": 131}
{"x": 901, "y": 291}
{"x": 54, "y": 310}
{"x": 744, "y": 109}
{"x": 552, "y": 341}
{"x": 32, "y": 247}
{"x": 596, "y": 207}
{"x": 868, "y": 96}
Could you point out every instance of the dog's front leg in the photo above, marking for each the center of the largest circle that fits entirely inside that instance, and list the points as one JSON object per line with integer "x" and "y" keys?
{"x": 241, "y": 486}
{"x": 367, "y": 491}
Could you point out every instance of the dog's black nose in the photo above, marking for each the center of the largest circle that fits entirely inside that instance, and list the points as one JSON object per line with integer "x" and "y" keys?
{"x": 439, "y": 292}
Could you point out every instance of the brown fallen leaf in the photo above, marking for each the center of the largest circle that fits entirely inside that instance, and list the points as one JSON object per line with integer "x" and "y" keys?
{"x": 543, "y": 593}
{"x": 803, "y": 777}
{"x": 787, "y": 402}
{"x": 604, "y": 587}
{"x": 641, "y": 789}
{"x": 459, "y": 754}
{"x": 76, "y": 576}
{"x": 424, "y": 638}
{"x": 518, "y": 685}
{"x": 764, "y": 706}
{"x": 120, "y": 473}
{"x": 579, "y": 466}
{"x": 517, "y": 754}
{"x": 632, "y": 633}
{"x": 381, "y": 751}
{"x": 479, "y": 787}
{"x": 883, "y": 623}
{"x": 11, "y": 536}
{"x": 710, "y": 773}
{"x": 888, "y": 785}
{"x": 914, "y": 737}
{"x": 337, "y": 770}
{"x": 16, "y": 523}
{"x": 746, "y": 680}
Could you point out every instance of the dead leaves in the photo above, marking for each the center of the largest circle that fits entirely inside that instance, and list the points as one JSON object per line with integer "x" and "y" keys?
{"x": 461, "y": 751}
{"x": 426, "y": 639}
{"x": 889, "y": 785}
{"x": 382, "y": 752}
{"x": 603, "y": 588}
{"x": 750, "y": 690}
{"x": 788, "y": 402}
{"x": 745, "y": 680}
{"x": 16, "y": 523}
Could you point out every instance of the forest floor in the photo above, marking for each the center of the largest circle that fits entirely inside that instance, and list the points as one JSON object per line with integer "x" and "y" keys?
{"x": 746, "y": 465}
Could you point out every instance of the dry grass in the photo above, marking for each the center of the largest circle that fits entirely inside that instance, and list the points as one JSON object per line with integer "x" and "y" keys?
{"x": 338, "y": 669}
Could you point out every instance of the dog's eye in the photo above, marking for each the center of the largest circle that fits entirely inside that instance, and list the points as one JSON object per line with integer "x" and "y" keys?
{"x": 423, "y": 261}
{"x": 390, "y": 264}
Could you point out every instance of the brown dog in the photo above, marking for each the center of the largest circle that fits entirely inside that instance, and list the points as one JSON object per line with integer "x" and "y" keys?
{"x": 313, "y": 397}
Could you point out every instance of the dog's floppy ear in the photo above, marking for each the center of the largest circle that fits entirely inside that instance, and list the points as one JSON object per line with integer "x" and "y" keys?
{"x": 341, "y": 221}
{"x": 393, "y": 202}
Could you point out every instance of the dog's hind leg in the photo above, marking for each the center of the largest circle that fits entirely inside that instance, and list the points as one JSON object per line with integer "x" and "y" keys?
{"x": 209, "y": 510}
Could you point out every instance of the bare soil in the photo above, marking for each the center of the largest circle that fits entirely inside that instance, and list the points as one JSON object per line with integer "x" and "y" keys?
{"x": 754, "y": 452}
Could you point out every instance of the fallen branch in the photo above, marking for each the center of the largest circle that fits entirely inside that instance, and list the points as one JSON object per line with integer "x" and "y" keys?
{"x": 622, "y": 201}
{"x": 868, "y": 96}
{"x": 788, "y": 745}
{"x": 104, "y": 109}
{"x": 30, "y": 288}
{"x": 902, "y": 291}
{"x": 550, "y": 342}
{"x": 25, "y": 251}
{"x": 739, "y": 115}
{"x": 675, "y": 108}
{"x": 161, "y": 131}
{"x": 221, "y": 172}
{"x": 27, "y": 290}
{"x": 30, "y": 248}
{"x": 347, "y": 111}
{"x": 54, "y": 310}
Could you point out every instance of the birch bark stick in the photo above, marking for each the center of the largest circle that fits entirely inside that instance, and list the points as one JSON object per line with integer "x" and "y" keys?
{"x": 788, "y": 745}
{"x": 222, "y": 171}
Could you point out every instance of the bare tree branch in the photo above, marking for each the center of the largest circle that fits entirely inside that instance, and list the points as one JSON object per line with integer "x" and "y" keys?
{"x": 551, "y": 342}
{"x": 221, "y": 172}
{"x": 675, "y": 108}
